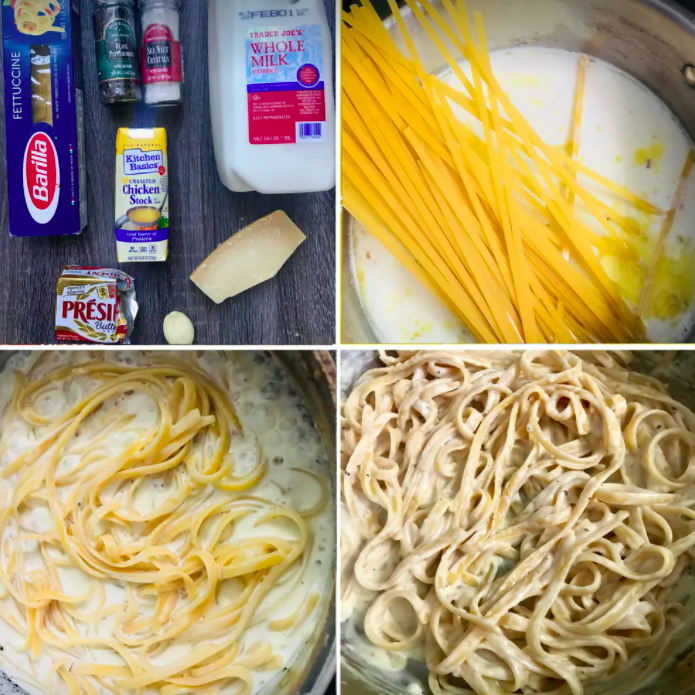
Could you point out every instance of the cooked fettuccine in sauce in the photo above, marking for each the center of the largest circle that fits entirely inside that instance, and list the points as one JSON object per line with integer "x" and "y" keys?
{"x": 166, "y": 524}
{"x": 519, "y": 522}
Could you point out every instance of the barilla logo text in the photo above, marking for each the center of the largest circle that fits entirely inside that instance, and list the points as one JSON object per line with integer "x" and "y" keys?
{"x": 136, "y": 162}
{"x": 41, "y": 178}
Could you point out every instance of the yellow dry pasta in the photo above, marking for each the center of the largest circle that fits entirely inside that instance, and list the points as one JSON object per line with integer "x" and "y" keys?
{"x": 487, "y": 223}
{"x": 574, "y": 144}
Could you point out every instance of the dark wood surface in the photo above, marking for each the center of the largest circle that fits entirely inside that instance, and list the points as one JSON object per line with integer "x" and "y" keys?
{"x": 296, "y": 307}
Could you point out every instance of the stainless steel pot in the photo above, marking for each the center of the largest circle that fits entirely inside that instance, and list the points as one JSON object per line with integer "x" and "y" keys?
{"x": 360, "y": 677}
{"x": 315, "y": 376}
{"x": 653, "y": 40}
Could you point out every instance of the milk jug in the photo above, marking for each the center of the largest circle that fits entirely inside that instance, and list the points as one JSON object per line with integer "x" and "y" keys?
{"x": 271, "y": 95}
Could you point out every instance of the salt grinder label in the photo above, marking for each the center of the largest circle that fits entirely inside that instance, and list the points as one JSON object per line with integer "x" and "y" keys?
{"x": 161, "y": 55}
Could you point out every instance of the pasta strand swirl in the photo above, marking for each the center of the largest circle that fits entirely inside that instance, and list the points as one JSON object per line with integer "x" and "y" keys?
{"x": 521, "y": 522}
{"x": 135, "y": 483}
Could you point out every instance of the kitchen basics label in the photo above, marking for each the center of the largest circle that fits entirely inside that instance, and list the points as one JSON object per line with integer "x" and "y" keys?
{"x": 142, "y": 195}
{"x": 284, "y": 78}
{"x": 161, "y": 55}
{"x": 116, "y": 52}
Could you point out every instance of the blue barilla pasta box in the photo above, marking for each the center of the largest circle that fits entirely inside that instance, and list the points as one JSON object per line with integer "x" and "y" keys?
{"x": 44, "y": 116}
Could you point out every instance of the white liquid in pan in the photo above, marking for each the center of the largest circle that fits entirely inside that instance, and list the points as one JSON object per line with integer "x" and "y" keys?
{"x": 271, "y": 413}
{"x": 628, "y": 135}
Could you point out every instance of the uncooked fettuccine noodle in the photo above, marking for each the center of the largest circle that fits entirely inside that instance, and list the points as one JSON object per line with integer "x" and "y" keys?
{"x": 192, "y": 589}
{"x": 524, "y": 523}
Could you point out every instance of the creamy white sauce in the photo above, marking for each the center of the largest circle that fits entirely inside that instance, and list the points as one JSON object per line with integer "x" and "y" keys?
{"x": 628, "y": 135}
{"x": 273, "y": 415}
{"x": 404, "y": 672}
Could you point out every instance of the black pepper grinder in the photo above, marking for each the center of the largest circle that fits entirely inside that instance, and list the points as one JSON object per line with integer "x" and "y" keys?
{"x": 117, "y": 51}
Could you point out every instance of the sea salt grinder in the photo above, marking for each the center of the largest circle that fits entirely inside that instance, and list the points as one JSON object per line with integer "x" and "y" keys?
{"x": 162, "y": 59}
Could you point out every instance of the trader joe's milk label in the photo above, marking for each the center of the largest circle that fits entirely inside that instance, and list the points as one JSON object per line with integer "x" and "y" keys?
{"x": 284, "y": 78}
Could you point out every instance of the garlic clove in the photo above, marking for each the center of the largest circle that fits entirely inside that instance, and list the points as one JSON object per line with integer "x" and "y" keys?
{"x": 178, "y": 329}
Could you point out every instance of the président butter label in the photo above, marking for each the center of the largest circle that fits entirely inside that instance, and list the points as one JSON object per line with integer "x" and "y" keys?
{"x": 142, "y": 195}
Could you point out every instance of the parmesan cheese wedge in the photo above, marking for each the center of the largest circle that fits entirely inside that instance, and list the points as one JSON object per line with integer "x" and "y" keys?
{"x": 252, "y": 256}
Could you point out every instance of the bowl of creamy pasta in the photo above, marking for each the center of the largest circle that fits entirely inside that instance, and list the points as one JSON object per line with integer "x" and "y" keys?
{"x": 167, "y": 522}
{"x": 517, "y": 522}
